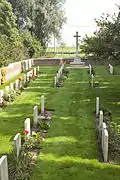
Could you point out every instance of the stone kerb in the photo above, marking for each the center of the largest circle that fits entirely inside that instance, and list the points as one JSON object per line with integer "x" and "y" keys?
{"x": 17, "y": 144}
{"x": 3, "y": 168}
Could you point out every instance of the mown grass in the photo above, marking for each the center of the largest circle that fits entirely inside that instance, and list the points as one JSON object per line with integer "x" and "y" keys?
{"x": 12, "y": 118}
{"x": 70, "y": 151}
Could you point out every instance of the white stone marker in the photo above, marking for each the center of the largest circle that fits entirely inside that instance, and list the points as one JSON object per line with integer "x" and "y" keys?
{"x": 35, "y": 71}
{"x": 92, "y": 83}
{"x": 17, "y": 144}
{"x": 28, "y": 76}
{"x": 103, "y": 128}
{"x": 17, "y": 84}
{"x": 111, "y": 68}
{"x": 105, "y": 145}
{"x": 101, "y": 120}
{"x": 25, "y": 78}
{"x": 35, "y": 114}
{"x": 7, "y": 89}
{"x": 38, "y": 68}
{"x": 1, "y": 94}
{"x": 3, "y": 168}
{"x": 97, "y": 105}
{"x": 90, "y": 68}
{"x": 27, "y": 128}
{"x": 42, "y": 104}
{"x": 11, "y": 86}
{"x": 55, "y": 81}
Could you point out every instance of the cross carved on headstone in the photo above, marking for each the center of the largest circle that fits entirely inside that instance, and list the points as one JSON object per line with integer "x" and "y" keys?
{"x": 77, "y": 36}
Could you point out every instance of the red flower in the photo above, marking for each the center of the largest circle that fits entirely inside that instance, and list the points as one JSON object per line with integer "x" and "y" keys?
{"x": 45, "y": 109}
{"x": 34, "y": 75}
{"x": 30, "y": 77}
{"x": 20, "y": 79}
{"x": 3, "y": 97}
{"x": 25, "y": 132}
{"x": 108, "y": 67}
{"x": 108, "y": 137}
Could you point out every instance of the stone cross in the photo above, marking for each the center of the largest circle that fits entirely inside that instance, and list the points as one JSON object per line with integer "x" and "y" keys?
{"x": 97, "y": 105}
{"x": 35, "y": 114}
{"x": 77, "y": 36}
{"x": 3, "y": 168}
{"x": 27, "y": 128}
{"x": 42, "y": 104}
{"x": 17, "y": 144}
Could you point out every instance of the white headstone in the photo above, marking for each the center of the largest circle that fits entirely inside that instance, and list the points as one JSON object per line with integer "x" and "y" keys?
{"x": 7, "y": 89}
{"x": 111, "y": 68}
{"x": 25, "y": 78}
{"x": 105, "y": 145}
{"x": 90, "y": 68}
{"x": 38, "y": 68}
{"x": 1, "y": 94}
{"x": 97, "y": 105}
{"x": 17, "y": 144}
{"x": 42, "y": 104}
{"x": 35, "y": 114}
{"x": 11, "y": 86}
{"x": 17, "y": 84}
{"x": 55, "y": 81}
{"x": 92, "y": 84}
{"x": 103, "y": 128}
{"x": 27, "y": 128}
{"x": 101, "y": 120}
{"x": 28, "y": 76}
{"x": 3, "y": 168}
{"x": 30, "y": 65}
{"x": 35, "y": 71}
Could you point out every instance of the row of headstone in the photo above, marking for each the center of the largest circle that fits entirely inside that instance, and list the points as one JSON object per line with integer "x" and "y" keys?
{"x": 28, "y": 64}
{"x": 110, "y": 68}
{"x": 102, "y": 131}
{"x": 35, "y": 110}
{"x": 17, "y": 149}
{"x": 58, "y": 75}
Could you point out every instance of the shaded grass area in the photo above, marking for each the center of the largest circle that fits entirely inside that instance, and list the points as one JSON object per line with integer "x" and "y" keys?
{"x": 13, "y": 117}
{"x": 70, "y": 151}
{"x": 109, "y": 91}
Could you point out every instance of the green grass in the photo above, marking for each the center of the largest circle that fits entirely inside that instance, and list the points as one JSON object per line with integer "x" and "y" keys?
{"x": 64, "y": 50}
{"x": 70, "y": 150}
{"x": 12, "y": 118}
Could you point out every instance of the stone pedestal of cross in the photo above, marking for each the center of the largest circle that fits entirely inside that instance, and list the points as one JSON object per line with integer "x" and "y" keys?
{"x": 77, "y": 36}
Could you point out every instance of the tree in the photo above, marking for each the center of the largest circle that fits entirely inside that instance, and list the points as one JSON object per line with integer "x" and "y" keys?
{"x": 7, "y": 18}
{"x": 104, "y": 44}
{"x": 42, "y": 17}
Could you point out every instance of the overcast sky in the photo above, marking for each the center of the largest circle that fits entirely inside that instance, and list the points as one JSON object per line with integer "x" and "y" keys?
{"x": 80, "y": 16}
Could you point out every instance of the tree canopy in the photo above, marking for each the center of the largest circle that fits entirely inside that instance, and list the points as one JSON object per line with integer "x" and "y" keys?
{"x": 105, "y": 43}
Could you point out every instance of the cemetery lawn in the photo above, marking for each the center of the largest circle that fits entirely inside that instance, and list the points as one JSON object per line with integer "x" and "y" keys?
{"x": 70, "y": 151}
{"x": 12, "y": 118}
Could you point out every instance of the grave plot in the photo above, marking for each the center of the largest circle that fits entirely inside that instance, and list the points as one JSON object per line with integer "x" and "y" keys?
{"x": 61, "y": 75}
{"x": 70, "y": 149}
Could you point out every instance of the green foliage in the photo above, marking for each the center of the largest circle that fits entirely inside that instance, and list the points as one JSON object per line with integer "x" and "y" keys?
{"x": 44, "y": 18}
{"x": 104, "y": 44}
